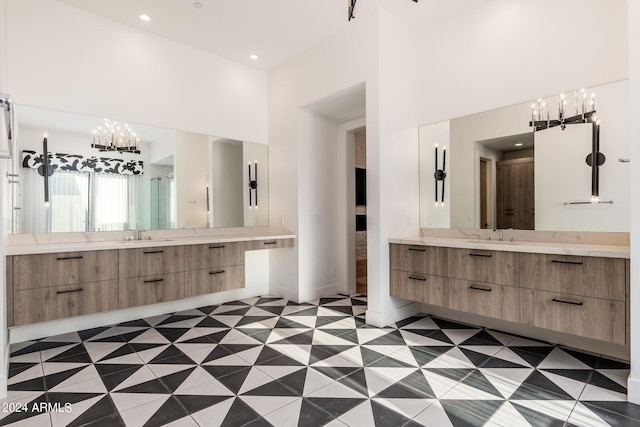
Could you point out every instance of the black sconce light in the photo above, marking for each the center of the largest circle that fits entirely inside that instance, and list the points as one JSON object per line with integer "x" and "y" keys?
{"x": 440, "y": 174}
{"x": 583, "y": 113}
{"x": 45, "y": 170}
{"x": 253, "y": 185}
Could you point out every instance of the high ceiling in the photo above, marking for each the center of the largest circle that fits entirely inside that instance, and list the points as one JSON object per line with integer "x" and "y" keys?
{"x": 274, "y": 30}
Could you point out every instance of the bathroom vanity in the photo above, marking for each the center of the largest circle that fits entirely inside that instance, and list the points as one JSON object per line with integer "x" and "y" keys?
{"x": 61, "y": 280}
{"x": 577, "y": 289}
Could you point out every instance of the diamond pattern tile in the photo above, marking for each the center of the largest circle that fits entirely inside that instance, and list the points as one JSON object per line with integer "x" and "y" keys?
{"x": 266, "y": 361}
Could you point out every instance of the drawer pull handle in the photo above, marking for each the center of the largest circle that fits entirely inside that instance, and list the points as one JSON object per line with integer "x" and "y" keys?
{"x": 479, "y": 288}
{"x": 62, "y": 258}
{"x": 69, "y": 291}
{"x": 419, "y": 279}
{"x": 153, "y": 252}
{"x": 153, "y": 281}
{"x": 481, "y": 255}
{"x": 271, "y": 243}
{"x": 418, "y": 249}
{"x": 564, "y": 301}
{"x": 567, "y": 262}
{"x": 216, "y": 247}
{"x": 216, "y": 272}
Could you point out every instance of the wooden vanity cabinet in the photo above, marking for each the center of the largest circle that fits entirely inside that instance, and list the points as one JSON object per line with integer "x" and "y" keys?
{"x": 417, "y": 273}
{"x": 59, "y": 285}
{"x": 482, "y": 266}
{"x": 418, "y": 287}
{"x": 255, "y": 245}
{"x": 58, "y": 302}
{"x": 575, "y": 275}
{"x": 485, "y": 299}
{"x": 578, "y": 295}
{"x": 150, "y": 275}
{"x": 138, "y": 262}
{"x": 64, "y": 268}
{"x": 214, "y": 268}
{"x": 153, "y": 289}
{"x": 597, "y": 318}
{"x": 583, "y": 296}
{"x": 430, "y": 260}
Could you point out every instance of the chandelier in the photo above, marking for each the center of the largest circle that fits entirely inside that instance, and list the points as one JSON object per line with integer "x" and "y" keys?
{"x": 112, "y": 137}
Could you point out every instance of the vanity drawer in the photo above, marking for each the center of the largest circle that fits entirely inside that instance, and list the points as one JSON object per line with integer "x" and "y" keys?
{"x": 254, "y": 245}
{"x": 420, "y": 259}
{"x": 208, "y": 281}
{"x": 596, "y": 318}
{"x": 39, "y": 305}
{"x": 485, "y": 299}
{"x": 198, "y": 257}
{"x": 150, "y": 289}
{"x": 418, "y": 287}
{"x": 64, "y": 268}
{"x": 482, "y": 266}
{"x": 138, "y": 262}
{"x": 588, "y": 276}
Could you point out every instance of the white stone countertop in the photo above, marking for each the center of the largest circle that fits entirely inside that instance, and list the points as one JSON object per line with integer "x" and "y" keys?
{"x": 29, "y": 248}
{"x": 554, "y": 248}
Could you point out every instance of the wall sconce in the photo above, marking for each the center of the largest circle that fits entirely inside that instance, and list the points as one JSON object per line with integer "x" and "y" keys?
{"x": 583, "y": 112}
{"x": 253, "y": 185}
{"x": 45, "y": 170}
{"x": 440, "y": 174}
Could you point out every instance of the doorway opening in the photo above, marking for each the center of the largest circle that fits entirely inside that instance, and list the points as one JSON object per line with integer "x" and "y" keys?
{"x": 506, "y": 182}
{"x": 360, "y": 157}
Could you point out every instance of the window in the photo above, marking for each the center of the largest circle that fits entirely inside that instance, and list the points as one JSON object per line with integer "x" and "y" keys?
{"x": 81, "y": 201}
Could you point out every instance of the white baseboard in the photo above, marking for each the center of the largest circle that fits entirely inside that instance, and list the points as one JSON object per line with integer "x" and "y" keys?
{"x": 380, "y": 320}
{"x": 288, "y": 294}
{"x": 320, "y": 292}
{"x": 633, "y": 390}
{"x": 63, "y": 326}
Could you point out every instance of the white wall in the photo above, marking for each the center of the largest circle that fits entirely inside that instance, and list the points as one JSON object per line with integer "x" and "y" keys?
{"x": 295, "y": 183}
{"x": 634, "y": 135}
{"x": 318, "y": 204}
{"x": 66, "y": 59}
{"x": 191, "y": 168}
{"x": 434, "y": 215}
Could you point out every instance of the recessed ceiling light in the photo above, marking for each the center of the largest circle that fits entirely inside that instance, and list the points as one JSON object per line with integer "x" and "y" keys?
{"x": 519, "y": 144}
{"x": 198, "y": 5}
{"x": 145, "y": 17}
{"x": 254, "y": 57}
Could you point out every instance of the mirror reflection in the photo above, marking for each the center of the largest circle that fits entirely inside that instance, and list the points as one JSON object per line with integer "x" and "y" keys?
{"x": 102, "y": 181}
{"x": 501, "y": 174}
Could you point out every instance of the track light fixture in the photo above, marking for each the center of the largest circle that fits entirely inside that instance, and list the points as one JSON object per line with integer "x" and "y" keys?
{"x": 352, "y": 7}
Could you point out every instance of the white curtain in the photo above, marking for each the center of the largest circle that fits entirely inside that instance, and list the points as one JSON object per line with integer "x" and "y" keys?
{"x": 69, "y": 201}
{"x": 111, "y": 202}
{"x": 78, "y": 201}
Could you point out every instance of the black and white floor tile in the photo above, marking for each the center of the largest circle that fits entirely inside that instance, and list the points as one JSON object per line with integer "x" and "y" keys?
{"x": 267, "y": 361}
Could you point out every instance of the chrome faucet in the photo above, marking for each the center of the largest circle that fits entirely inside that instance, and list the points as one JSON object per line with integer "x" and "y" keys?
{"x": 139, "y": 234}
{"x": 500, "y": 235}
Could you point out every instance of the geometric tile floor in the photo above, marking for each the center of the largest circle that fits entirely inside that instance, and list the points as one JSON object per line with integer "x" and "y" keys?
{"x": 267, "y": 361}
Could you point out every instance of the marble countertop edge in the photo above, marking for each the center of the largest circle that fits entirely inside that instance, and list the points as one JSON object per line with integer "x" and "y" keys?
{"x": 553, "y": 248}
{"x": 81, "y": 246}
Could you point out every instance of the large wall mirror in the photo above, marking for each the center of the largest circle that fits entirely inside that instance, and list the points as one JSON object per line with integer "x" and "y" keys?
{"x": 177, "y": 179}
{"x": 501, "y": 174}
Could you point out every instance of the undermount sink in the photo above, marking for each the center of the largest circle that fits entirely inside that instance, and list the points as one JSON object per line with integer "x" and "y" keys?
{"x": 137, "y": 242}
{"x": 493, "y": 241}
